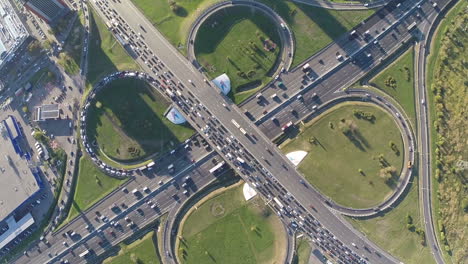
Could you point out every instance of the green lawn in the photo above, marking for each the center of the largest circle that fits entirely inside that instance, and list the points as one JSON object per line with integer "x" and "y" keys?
{"x": 74, "y": 44}
{"x": 232, "y": 42}
{"x": 402, "y": 90}
{"x": 130, "y": 124}
{"x": 334, "y": 159}
{"x": 105, "y": 54}
{"x": 303, "y": 251}
{"x": 391, "y": 234}
{"x": 91, "y": 186}
{"x": 315, "y": 27}
{"x": 68, "y": 63}
{"x": 174, "y": 27}
{"x": 227, "y": 229}
{"x": 142, "y": 251}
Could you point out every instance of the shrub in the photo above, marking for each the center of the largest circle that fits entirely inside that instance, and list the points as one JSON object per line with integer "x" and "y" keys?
{"x": 391, "y": 82}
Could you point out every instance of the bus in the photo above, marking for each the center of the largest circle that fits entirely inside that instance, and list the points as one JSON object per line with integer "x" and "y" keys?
{"x": 84, "y": 254}
{"x": 278, "y": 202}
{"x": 217, "y": 167}
{"x": 235, "y": 123}
{"x": 412, "y": 26}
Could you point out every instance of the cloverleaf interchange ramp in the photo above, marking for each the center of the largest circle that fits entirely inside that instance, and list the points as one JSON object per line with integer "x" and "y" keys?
{"x": 273, "y": 174}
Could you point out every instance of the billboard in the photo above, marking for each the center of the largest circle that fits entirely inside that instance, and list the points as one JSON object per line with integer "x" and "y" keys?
{"x": 175, "y": 117}
{"x": 223, "y": 83}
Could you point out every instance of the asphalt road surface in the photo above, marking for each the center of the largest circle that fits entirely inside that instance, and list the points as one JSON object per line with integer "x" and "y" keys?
{"x": 266, "y": 165}
{"x": 191, "y": 84}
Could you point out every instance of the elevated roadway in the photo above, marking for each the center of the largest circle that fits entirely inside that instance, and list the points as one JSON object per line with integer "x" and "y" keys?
{"x": 253, "y": 146}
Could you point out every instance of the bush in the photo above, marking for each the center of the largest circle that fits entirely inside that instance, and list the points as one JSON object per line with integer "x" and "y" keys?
{"x": 391, "y": 82}
{"x": 394, "y": 147}
{"x": 364, "y": 115}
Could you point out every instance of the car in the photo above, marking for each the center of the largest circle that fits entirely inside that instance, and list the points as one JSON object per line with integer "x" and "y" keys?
{"x": 286, "y": 126}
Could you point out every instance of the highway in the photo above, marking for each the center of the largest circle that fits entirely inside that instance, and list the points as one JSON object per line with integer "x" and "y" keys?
{"x": 93, "y": 231}
{"x": 343, "y": 62}
{"x": 216, "y": 115}
{"x": 219, "y": 121}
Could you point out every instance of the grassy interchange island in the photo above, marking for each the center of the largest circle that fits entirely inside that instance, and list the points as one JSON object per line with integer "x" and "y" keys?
{"x": 128, "y": 124}
{"x": 349, "y": 157}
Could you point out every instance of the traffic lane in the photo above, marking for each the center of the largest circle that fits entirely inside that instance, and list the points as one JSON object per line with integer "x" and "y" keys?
{"x": 90, "y": 217}
{"x": 201, "y": 178}
{"x": 303, "y": 194}
{"x": 165, "y": 198}
{"x": 361, "y": 60}
{"x": 196, "y": 82}
{"x": 400, "y": 27}
{"x": 319, "y": 61}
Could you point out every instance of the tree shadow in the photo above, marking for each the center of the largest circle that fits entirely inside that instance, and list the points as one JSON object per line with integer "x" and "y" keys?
{"x": 135, "y": 118}
{"x": 181, "y": 11}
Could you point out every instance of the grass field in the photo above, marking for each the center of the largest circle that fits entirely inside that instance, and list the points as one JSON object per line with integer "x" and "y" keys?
{"x": 334, "y": 159}
{"x": 303, "y": 251}
{"x": 232, "y": 42}
{"x": 105, "y": 55}
{"x": 68, "y": 64}
{"x": 402, "y": 90}
{"x": 447, "y": 73}
{"x": 74, "y": 43}
{"x": 391, "y": 233}
{"x": 130, "y": 124}
{"x": 91, "y": 186}
{"x": 142, "y": 251}
{"x": 314, "y": 27}
{"x": 175, "y": 27}
{"x": 227, "y": 229}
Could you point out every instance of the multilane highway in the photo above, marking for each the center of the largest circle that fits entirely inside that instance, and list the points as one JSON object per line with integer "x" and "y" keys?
{"x": 218, "y": 114}
{"x": 266, "y": 162}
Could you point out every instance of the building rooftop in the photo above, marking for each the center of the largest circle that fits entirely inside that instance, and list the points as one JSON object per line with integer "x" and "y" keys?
{"x": 15, "y": 228}
{"x": 46, "y": 112}
{"x": 17, "y": 179}
{"x": 12, "y": 32}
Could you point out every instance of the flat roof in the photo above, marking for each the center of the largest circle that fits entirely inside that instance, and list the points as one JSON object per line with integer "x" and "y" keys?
{"x": 17, "y": 180}
{"x": 15, "y": 228}
{"x": 45, "y": 112}
{"x": 10, "y": 123}
{"x": 12, "y": 31}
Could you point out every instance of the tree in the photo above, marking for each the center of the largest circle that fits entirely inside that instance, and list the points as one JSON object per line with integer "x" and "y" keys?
{"x": 47, "y": 45}
{"x": 25, "y": 109}
{"x": 39, "y": 135}
{"x": 387, "y": 173}
{"x": 34, "y": 46}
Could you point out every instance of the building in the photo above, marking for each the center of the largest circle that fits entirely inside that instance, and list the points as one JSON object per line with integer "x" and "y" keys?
{"x": 13, "y": 33}
{"x": 48, "y": 10}
{"x": 46, "y": 112}
{"x": 20, "y": 182}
